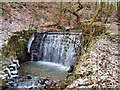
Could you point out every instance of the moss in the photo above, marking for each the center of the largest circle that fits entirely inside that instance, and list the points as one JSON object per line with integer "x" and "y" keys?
{"x": 99, "y": 30}
{"x": 112, "y": 36}
{"x": 66, "y": 81}
{"x": 107, "y": 33}
{"x": 17, "y": 44}
{"x": 88, "y": 6}
{"x": 76, "y": 75}
{"x": 3, "y": 82}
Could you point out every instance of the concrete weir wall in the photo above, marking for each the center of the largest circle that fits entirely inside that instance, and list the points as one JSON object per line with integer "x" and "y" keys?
{"x": 55, "y": 47}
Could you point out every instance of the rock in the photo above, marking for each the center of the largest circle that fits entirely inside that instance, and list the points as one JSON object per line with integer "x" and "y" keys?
{"x": 17, "y": 63}
{"x": 53, "y": 84}
{"x": 44, "y": 79}
{"x": 7, "y": 84}
{"x": 47, "y": 83}
{"x": 44, "y": 87}
{"x": 4, "y": 66}
{"x": 13, "y": 66}
{"x": 39, "y": 81}
{"x": 11, "y": 83}
{"x": 15, "y": 72}
{"x": 67, "y": 29}
{"x": 12, "y": 69}
{"x": 57, "y": 86}
{"x": 15, "y": 85}
{"x": 71, "y": 69}
{"x": 29, "y": 76}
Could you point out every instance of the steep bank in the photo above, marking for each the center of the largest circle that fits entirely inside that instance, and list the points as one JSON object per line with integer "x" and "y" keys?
{"x": 99, "y": 67}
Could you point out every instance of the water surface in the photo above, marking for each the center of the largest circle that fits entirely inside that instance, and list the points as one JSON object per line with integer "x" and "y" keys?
{"x": 44, "y": 69}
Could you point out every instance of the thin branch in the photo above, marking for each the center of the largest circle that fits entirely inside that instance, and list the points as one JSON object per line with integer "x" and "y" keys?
{"x": 96, "y": 14}
{"x": 74, "y": 13}
{"x": 60, "y": 13}
{"x": 108, "y": 14}
{"x": 79, "y": 7}
{"x": 9, "y": 13}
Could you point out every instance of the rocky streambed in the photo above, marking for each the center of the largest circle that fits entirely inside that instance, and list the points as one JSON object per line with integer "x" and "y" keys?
{"x": 11, "y": 78}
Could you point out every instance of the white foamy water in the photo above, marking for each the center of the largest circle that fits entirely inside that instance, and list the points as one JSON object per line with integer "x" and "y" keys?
{"x": 30, "y": 43}
{"x": 55, "y": 65}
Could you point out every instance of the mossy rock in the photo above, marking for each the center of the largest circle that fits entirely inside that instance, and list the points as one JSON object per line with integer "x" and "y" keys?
{"x": 17, "y": 45}
{"x": 3, "y": 83}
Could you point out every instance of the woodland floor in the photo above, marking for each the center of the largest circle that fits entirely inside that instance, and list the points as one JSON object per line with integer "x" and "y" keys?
{"x": 100, "y": 65}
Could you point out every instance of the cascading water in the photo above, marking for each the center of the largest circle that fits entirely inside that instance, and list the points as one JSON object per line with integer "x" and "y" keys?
{"x": 52, "y": 55}
{"x": 57, "y": 48}
{"x": 30, "y": 43}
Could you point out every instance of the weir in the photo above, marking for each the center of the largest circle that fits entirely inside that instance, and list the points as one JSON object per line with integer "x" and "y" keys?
{"x": 55, "y": 47}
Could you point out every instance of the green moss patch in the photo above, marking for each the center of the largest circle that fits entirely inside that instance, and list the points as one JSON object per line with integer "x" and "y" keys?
{"x": 17, "y": 44}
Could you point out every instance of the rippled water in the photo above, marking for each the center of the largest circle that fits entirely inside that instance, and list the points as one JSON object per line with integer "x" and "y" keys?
{"x": 44, "y": 69}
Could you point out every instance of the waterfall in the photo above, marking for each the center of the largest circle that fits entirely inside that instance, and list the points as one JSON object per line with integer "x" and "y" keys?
{"x": 30, "y": 43}
{"x": 55, "y": 48}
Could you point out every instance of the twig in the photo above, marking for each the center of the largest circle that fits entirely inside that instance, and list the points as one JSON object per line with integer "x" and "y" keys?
{"x": 96, "y": 14}
{"x": 8, "y": 13}
{"x": 108, "y": 14}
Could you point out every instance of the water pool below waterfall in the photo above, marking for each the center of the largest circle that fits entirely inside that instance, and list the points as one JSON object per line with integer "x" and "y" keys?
{"x": 43, "y": 69}
{"x": 52, "y": 55}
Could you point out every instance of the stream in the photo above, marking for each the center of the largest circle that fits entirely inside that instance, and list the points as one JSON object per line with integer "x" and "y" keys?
{"x": 52, "y": 56}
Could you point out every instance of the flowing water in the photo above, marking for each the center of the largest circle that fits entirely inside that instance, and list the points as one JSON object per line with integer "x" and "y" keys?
{"x": 52, "y": 55}
{"x": 44, "y": 69}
